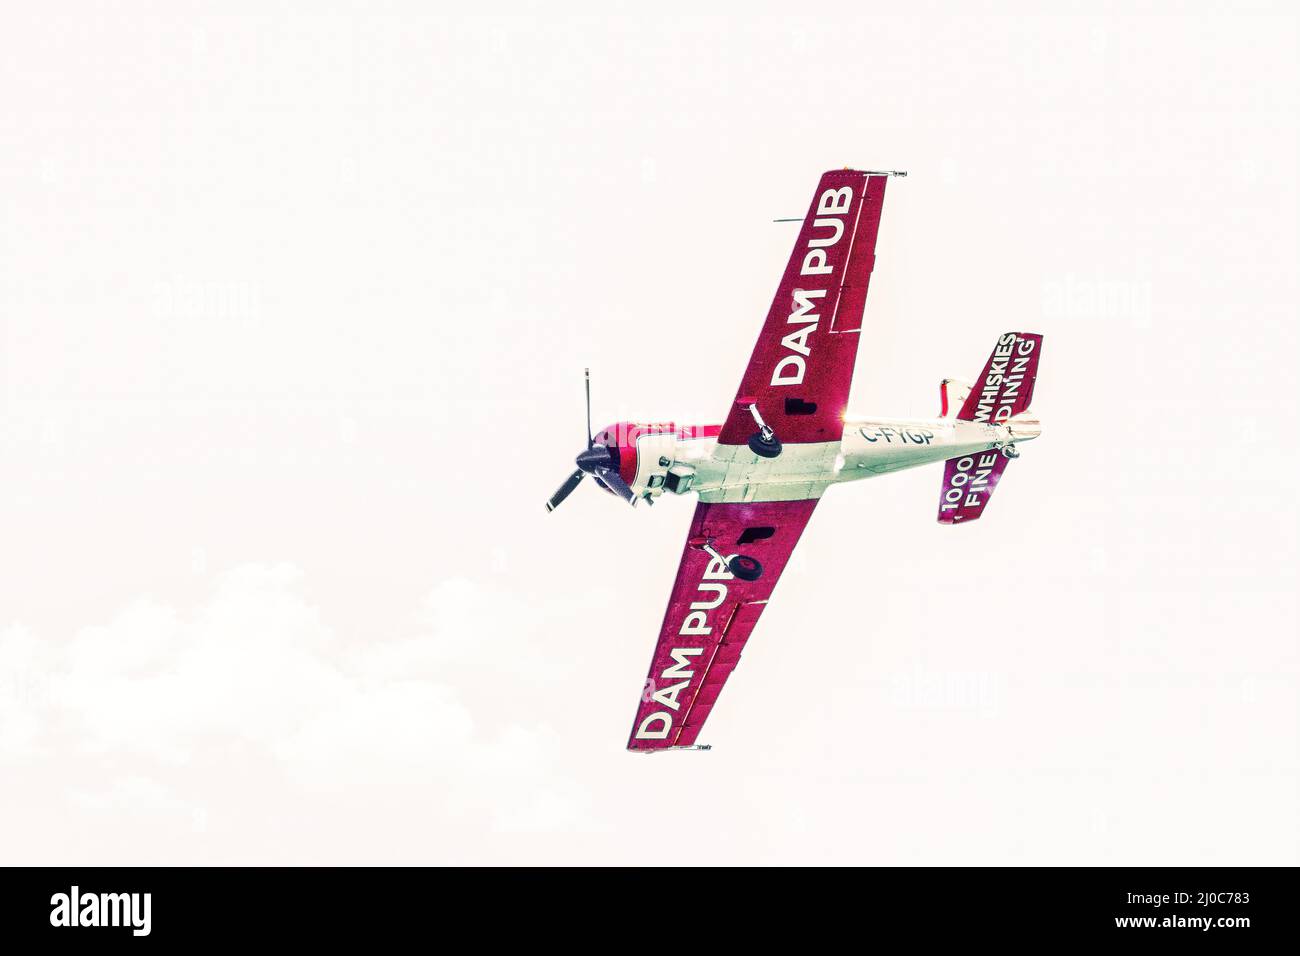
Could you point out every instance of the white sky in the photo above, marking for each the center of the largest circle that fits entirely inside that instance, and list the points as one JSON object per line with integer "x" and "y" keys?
{"x": 295, "y": 310}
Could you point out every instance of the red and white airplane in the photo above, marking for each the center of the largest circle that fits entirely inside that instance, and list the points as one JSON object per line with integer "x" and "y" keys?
{"x": 760, "y": 474}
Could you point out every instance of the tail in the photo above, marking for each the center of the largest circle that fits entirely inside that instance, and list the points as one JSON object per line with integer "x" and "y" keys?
{"x": 1000, "y": 397}
{"x": 952, "y": 396}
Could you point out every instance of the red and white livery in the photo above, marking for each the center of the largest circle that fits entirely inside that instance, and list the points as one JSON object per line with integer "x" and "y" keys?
{"x": 785, "y": 440}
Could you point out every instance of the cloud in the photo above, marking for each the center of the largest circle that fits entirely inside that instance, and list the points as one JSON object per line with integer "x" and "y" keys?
{"x": 24, "y": 683}
{"x": 250, "y": 688}
{"x": 131, "y": 794}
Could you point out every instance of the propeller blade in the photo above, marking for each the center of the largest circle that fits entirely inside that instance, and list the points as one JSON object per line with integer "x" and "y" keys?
{"x": 587, "y": 374}
{"x": 614, "y": 481}
{"x": 566, "y": 489}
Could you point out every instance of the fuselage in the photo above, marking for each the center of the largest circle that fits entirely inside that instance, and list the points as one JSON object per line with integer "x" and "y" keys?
{"x": 669, "y": 459}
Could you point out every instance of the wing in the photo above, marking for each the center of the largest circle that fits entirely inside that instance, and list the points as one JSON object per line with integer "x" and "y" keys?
{"x": 711, "y": 614}
{"x": 802, "y": 366}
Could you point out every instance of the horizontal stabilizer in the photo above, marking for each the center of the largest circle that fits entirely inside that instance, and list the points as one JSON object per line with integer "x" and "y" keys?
{"x": 968, "y": 483}
{"x": 1006, "y": 386}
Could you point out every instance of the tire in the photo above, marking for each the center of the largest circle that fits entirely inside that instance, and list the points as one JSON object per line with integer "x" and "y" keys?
{"x": 745, "y": 567}
{"x": 764, "y": 449}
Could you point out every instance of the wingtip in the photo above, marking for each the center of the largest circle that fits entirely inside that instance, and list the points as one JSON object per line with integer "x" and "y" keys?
{"x": 663, "y": 750}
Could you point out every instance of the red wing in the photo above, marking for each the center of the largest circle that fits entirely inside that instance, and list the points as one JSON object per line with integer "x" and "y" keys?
{"x": 711, "y": 614}
{"x": 802, "y": 366}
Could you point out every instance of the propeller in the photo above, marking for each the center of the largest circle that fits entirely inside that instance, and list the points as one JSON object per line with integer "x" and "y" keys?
{"x": 586, "y": 376}
{"x": 566, "y": 489}
{"x": 597, "y": 461}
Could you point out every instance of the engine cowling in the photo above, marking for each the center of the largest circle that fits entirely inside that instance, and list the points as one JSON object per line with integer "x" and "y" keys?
{"x": 644, "y": 453}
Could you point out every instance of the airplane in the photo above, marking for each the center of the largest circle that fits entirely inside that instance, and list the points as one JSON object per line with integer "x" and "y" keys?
{"x": 785, "y": 440}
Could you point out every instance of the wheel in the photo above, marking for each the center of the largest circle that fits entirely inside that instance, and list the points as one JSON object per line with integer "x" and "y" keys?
{"x": 764, "y": 448}
{"x": 745, "y": 568}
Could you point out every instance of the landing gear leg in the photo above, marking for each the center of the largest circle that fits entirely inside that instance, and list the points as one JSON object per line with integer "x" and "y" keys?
{"x": 741, "y": 565}
{"x": 763, "y": 442}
